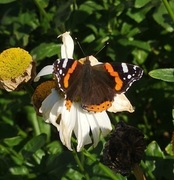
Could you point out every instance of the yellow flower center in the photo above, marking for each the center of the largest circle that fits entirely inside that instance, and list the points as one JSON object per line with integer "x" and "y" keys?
{"x": 13, "y": 63}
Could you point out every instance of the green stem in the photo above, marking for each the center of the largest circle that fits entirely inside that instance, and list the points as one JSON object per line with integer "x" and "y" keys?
{"x": 108, "y": 171}
{"x": 36, "y": 125}
{"x": 32, "y": 118}
{"x": 138, "y": 173}
{"x": 166, "y": 4}
{"x": 42, "y": 11}
{"x": 80, "y": 164}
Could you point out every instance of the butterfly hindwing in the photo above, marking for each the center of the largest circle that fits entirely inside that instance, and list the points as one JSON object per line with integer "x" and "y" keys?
{"x": 95, "y": 86}
{"x": 107, "y": 80}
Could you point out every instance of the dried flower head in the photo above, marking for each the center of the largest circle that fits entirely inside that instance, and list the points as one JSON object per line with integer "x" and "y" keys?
{"x": 41, "y": 92}
{"x": 16, "y": 67}
{"x": 124, "y": 149}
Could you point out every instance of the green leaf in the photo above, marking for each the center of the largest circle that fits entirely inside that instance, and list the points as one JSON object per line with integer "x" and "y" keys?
{"x": 43, "y": 3}
{"x": 149, "y": 167}
{"x": 45, "y": 50}
{"x": 73, "y": 173}
{"x": 162, "y": 17}
{"x": 18, "y": 159}
{"x": 90, "y": 6}
{"x": 13, "y": 141}
{"x": 163, "y": 74}
{"x": 129, "y": 31}
{"x": 168, "y": 8}
{"x": 21, "y": 170}
{"x": 169, "y": 149}
{"x": 38, "y": 156}
{"x": 140, "y": 55}
{"x": 154, "y": 150}
{"x": 141, "y": 3}
{"x": 140, "y": 15}
{"x": 89, "y": 38}
{"x": 54, "y": 147}
{"x": 136, "y": 43}
{"x": 33, "y": 145}
{"x": 6, "y": 1}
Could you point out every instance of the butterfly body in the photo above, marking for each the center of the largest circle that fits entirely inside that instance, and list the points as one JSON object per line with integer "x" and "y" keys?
{"x": 94, "y": 85}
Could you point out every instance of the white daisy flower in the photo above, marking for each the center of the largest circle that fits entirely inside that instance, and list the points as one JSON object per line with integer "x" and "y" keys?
{"x": 77, "y": 121}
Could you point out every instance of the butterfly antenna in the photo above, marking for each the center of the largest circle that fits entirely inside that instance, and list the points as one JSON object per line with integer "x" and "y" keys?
{"x": 80, "y": 46}
{"x": 107, "y": 43}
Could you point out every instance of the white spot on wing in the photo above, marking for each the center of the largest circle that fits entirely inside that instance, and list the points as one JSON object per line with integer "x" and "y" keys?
{"x": 65, "y": 63}
{"x": 129, "y": 76}
{"x": 60, "y": 71}
{"x": 134, "y": 67}
{"x": 125, "y": 68}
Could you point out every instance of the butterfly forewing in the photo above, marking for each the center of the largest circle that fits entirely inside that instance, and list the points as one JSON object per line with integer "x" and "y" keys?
{"x": 67, "y": 72}
{"x": 124, "y": 75}
{"x": 95, "y": 86}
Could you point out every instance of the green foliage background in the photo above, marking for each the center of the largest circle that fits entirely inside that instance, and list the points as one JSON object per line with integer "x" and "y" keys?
{"x": 139, "y": 32}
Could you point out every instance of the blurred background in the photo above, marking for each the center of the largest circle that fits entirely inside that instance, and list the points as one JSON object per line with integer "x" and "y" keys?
{"x": 138, "y": 31}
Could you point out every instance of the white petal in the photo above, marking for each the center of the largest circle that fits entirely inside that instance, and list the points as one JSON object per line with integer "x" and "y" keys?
{"x": 63, "y": 52}
{"x": 56, "y": 112}
{"x": 103, "y": 122}
{"x": 82, "y": 129}
{"x": 67, "y": 47}
{"x": 64, "y": 127}
{"x": 45, "y": 71}
{"x": 48, "y": 103}
{"x": 67, "y": 123}
{"x": 121, "y": 103}
{"x": 94, "y": 128}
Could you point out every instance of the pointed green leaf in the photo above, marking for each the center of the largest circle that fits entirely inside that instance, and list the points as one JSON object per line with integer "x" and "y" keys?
{"x": 163, "y": 74}
{"x": 13, "y": 141}
{"x": 153, "y": 149}
{"x": 169, "y": 149}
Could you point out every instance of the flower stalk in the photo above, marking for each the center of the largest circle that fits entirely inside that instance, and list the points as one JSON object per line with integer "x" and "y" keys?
{"x": 107, "y": 170}
{"x": 168, "y": 8}
{"x": 79, "y": 163}
{"x": 138, "y": 173}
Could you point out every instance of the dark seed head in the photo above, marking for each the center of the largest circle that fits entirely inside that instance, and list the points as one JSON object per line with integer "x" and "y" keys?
{"x": 124, "y": 149}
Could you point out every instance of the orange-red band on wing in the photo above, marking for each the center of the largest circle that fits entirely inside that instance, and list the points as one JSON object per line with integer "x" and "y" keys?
{"x": 119, "y": 82}
{"x": 67, "y": 76}
{"x": 98, "y": 108}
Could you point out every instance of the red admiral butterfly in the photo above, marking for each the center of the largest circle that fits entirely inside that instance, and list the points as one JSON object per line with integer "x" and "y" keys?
{"x": 94, "y": 86}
